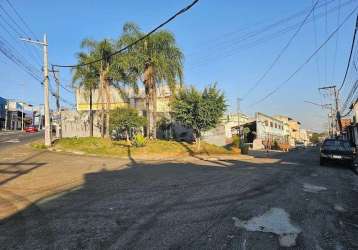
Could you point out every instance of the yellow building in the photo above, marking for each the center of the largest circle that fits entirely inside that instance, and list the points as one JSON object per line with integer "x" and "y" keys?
{"x": 293, "y": 128}
{"x": 117, "y": 99}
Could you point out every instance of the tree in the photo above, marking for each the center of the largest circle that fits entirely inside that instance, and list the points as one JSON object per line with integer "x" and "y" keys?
{"x": 86, "y": 79}
{"x": 124, "y": 119}
{"x": 112, "y": 71}
{"x": 315, "y": 137}
{"x": 199, "y": 111}
{"x": 157, "y": 60}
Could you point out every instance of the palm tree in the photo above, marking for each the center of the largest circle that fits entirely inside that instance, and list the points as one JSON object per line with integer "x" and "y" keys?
{"x": 86, "y": 78}
{"x": 108, "y": 72}
{"x": 156, "y": 60}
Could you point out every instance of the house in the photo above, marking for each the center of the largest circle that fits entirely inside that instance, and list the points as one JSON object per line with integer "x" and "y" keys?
{"x": 222, "y": 134}
{"x": 265, "y": 130}
{"x": 126, "y": 97}
{"x": 15, "y": 114}
{"x": 352, "y": 130}
{"x": 295, "y": 134}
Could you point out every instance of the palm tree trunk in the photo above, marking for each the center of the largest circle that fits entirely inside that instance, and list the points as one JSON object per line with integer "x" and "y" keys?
{"x": 147, "y": 107}
{"x": 91, "y": 114}
{"x": 108, "y": 100}
{"x": 154, "y": 113}
{"x": 108, "y": 103}
{"x": 102, "y": 104}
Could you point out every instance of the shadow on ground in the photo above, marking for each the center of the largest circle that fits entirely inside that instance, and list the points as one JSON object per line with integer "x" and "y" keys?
{"x": 153, "y": 206}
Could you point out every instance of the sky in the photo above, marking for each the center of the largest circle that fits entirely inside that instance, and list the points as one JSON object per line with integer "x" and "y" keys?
{"x": 228, "y": 42}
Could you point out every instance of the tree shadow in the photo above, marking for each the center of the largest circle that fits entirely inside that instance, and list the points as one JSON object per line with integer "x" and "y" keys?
{"x": 147, "y": 205}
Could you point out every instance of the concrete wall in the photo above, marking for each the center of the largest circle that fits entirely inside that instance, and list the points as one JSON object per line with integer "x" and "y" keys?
{"x": 215, "y": 136}
{"x": 76, "y": 124}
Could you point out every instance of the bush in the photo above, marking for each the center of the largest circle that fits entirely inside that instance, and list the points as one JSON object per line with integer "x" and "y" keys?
{"x": 244, "y": 149}
{"x": 236, "y": 141}
{"x": 275, "y": 145}
{"x": 139, "y": 140}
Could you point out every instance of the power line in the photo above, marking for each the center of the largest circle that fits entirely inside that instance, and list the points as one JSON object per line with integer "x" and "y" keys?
{"x": 58, "y": 80}
{"x": 17, "y": 32}
{"x": 21, "y": 19}
{"x": 182, "y": 11}
{"x": 308, "y": 59}
{"x": 337, "y": 39}
{"x": 231, "y": 48}
{"x": 350, "y": 54}
{"x": 282, "y": 51}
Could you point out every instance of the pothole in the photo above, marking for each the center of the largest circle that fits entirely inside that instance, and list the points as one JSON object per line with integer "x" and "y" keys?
{"x": 276, "y": 221}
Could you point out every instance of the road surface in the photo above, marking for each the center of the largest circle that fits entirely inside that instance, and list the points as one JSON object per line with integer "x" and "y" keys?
{"x": 15, "y": 138}
{"x": 280, "y": 200}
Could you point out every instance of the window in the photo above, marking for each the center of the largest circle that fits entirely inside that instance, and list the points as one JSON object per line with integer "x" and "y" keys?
{"x": 266, "y": 123}
{"x": 275, "y": 125}
{"x": 271, "y": 124}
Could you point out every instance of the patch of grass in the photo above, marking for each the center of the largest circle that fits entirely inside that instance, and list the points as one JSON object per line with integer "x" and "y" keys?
{"x": 102, "y": 146}
{"x": 38, "y": 145}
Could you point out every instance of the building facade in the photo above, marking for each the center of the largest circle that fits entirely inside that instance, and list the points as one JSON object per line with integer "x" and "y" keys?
{"x": 122, "y": 99}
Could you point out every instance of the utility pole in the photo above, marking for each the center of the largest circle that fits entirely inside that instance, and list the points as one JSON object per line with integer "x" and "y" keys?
{"x": 44, "y": 44}
{"x": 22, "y": 116}
{"x": 58, "y": 127}
{"x": 335, "y": 96}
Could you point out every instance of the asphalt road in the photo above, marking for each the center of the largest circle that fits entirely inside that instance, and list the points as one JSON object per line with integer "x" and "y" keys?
{"x": 14, "y": 138}
{"x": 285, "y": 201}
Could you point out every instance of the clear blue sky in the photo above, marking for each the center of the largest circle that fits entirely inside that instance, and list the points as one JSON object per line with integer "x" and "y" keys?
{"x": 209, "y": 36}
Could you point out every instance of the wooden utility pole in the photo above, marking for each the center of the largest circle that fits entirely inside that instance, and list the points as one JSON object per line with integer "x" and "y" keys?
{"x": 44, "y": 44}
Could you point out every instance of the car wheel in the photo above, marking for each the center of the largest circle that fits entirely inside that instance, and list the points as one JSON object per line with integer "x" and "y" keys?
{"x": 321, "y": 161}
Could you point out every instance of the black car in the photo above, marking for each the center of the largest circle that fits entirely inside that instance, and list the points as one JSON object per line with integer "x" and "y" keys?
{"x": 336, "y": 150}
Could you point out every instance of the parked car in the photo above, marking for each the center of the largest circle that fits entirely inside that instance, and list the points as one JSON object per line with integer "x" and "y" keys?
{"x": 355, "y": 165}
{"x": 31, "y": 129}
{"x": 300, "y": 145}
{"x": 336, "y": 150}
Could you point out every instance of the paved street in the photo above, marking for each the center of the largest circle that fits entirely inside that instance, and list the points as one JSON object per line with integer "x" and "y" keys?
{"x": 60, "y": 201}
{"x": 15, "y": 138}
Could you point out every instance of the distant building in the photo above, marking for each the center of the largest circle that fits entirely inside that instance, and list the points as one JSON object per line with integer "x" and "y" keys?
{"x": 265, "y": 130}
{"x": 222, "y": 134}
{"x": 294, "y": 129}
{"x": 15, "y": 114}
{"x": 123, "y": 99}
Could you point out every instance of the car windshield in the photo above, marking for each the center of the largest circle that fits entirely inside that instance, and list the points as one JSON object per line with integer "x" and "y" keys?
{"x": 336, "y": 145}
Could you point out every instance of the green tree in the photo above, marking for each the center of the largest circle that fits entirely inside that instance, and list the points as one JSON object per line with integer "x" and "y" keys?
{"x": 199, "y": 111}
{"x": 124, "y": 119}
{"x": 315, "y": 138}
{"x": 157, "y": 60}
{"x": 112, "y": 71}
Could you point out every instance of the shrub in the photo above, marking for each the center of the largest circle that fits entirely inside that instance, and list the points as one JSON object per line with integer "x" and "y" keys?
{"x": 236, "y": 141}
{"x": 244, "y": 149}
{"x": 275, "y": 145}
{"x": 139, "y": 140}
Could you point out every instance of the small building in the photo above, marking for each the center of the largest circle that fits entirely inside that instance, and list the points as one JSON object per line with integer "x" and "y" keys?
{"x": 222, "y": 134}
{"x": 266, "y": 130}
{"x": 15, "y": 113}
